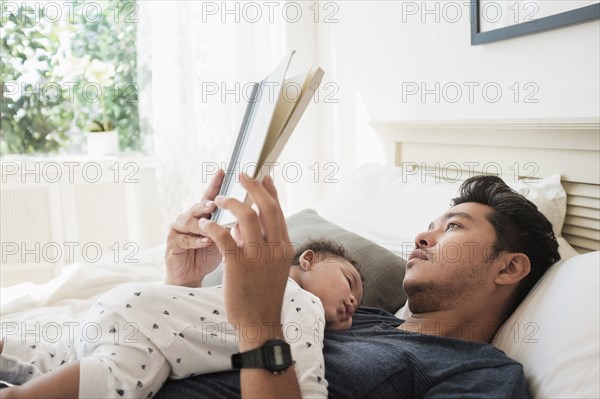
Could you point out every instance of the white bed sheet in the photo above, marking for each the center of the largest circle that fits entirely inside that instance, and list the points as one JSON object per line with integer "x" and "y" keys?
{"x": 68, "y": 296}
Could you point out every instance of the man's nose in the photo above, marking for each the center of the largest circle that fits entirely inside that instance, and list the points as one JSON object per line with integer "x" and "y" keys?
{"x": 425, "y": 239}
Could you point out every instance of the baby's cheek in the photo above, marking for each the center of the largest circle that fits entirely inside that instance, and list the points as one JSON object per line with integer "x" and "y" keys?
{"x": 330, "y": 313}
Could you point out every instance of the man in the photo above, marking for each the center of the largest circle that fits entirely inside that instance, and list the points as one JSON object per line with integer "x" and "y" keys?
{"x": 471, "y": 268}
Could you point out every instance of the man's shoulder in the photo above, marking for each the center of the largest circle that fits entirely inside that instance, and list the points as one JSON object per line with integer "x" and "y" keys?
{"x": 409, "y": 364}
{"x": 379, "y": 326}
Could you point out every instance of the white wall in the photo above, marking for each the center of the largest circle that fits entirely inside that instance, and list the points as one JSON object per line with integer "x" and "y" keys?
{"x": 372, "y": 55}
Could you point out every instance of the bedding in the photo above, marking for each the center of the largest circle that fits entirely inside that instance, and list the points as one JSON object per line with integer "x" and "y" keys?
{"x": 397, "y": 204}
{"x": 69, "y": 296}
{"x": 554, "y": 333}
{"x": 550, "y": 333}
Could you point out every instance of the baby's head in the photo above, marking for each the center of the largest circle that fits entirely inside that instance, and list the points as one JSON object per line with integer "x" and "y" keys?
{"x": 323, "y": 268}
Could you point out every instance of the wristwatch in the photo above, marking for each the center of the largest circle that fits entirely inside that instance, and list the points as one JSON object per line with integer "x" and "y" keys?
{"x": 275, "y": 355}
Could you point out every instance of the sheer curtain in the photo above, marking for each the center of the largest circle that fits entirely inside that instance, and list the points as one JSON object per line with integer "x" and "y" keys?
{"x": 195, "y": 67}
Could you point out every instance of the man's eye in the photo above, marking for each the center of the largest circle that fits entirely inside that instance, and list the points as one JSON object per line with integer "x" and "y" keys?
{"x": 349, "y": 282}
{"x": 451, "y": 226}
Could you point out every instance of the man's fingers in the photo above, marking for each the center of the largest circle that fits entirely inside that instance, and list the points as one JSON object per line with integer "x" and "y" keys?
{"x": 268, "y": 209}
{"x": 247, "y": 218}
{"x": 214, "y": 186}
{"x": 186, "y": 225}
{"x": 236, "y": 234}
{"x": 220, "y": 236}
{"x": 206, "y": 206}
{"x": 202, "y": 209}
{"x": 181, "y": 242}
{"x": 270, "y": 187}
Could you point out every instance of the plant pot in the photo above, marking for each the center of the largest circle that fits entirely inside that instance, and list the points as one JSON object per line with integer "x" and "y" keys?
{"x": 103, "y": 143}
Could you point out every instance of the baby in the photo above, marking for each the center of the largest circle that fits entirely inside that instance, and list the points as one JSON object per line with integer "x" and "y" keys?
{"x": 138, "y": 335}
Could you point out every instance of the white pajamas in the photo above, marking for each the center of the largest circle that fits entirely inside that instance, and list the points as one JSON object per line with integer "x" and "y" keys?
{"x": 137, "y": 335}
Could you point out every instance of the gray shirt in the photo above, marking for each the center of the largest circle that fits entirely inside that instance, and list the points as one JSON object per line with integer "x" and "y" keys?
{"x": 375, "y": 360}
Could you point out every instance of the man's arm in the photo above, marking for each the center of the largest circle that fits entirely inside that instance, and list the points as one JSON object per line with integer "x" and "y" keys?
{"x": 257, "y": 383}
{"x": 256, "y": 271}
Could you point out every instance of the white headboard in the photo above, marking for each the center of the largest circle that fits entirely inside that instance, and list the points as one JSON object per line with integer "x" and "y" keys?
{"x": 519, "y": 148}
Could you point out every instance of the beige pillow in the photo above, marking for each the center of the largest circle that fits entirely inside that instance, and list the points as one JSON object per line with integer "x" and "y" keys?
{"x": 382, "y": 269}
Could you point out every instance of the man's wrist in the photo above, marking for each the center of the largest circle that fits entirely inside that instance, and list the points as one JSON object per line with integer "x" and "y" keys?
{"x": 274, "y": 356}
{"x": 254, "y": 335}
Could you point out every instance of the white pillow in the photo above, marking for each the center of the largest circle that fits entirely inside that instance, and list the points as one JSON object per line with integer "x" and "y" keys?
{"x": 549, "y": 196}
{"x": 555, "y": 332}
{"x": 387, "y": 205}
{"x": 390, "y": 206}
{"x": 551, "y": 200}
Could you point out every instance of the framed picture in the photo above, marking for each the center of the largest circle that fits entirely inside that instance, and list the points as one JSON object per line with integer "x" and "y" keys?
{"x": 493, "y": 20}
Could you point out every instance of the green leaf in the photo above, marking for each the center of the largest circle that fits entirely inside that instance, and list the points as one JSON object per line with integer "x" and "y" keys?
{"x": 96, "y": 126}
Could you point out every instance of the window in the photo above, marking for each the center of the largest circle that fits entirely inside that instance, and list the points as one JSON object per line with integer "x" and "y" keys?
{"x": 67, "y": 68}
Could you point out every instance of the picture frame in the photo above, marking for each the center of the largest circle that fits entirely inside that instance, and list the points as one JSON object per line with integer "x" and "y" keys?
{"x": 559, "y": 20}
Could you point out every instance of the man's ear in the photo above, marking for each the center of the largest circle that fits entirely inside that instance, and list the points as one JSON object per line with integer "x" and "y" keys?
{"x": 515, "y": 266}
{"x": 306, "y": 259}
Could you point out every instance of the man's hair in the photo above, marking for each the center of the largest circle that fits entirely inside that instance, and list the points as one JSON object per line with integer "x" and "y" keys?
{"x": 325, "y": 249}
{"x": 518, "y": 225}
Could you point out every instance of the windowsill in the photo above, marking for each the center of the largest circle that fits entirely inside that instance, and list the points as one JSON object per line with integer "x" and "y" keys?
{"x": 139, "y": 158}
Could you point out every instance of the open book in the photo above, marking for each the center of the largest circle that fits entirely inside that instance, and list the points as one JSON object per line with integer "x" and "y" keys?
{"x": 274, "y": 109}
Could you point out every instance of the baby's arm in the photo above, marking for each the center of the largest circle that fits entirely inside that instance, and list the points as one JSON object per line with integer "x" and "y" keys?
{"x": 60, "y": 383}
{"x": 303, "y": 322}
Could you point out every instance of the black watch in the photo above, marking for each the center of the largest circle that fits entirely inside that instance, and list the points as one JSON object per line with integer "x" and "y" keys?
{"x": 275, "y": 355}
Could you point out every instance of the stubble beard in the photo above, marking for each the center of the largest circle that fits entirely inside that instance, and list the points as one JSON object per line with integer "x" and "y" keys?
{"x": 430, "y": 296}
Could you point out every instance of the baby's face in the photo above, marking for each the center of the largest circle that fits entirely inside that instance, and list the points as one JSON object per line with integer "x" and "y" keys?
{"x": 337, "y": 283}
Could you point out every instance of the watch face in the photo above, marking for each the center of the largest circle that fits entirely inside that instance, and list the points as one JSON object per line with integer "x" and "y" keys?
{"x": 278, "y": 355}
{"x": 274, "y": 355}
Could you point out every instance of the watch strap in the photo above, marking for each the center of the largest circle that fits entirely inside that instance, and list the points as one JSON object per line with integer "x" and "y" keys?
{"x": 252, "y": 359}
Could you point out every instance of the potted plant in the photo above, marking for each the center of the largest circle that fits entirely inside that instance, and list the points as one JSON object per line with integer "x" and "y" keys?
{"x": 102, "y": 139}
{"x": 94, "y": 79}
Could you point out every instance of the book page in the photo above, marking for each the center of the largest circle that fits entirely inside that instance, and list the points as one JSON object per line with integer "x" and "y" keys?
{"x": 288, "y": 98}
{"x": 309, "y": 87}
{"x": 253, "y": 141}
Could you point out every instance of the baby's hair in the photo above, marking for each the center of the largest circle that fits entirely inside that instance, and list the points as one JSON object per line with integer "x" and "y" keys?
{"x": 325, "y": 249}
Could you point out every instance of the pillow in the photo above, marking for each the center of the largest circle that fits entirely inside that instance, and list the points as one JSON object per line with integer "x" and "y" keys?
{"x": 555, "y": 331}
{"x": 382, "y": 269}
{"x": 551, "y": 200}
{"x": 549, "y": 196}
{"x": 394, "y": 206}
{"x": 397, "y": 204}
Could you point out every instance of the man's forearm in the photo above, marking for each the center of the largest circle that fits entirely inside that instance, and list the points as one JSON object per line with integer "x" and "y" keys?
{"x": 260, "y": 383}
{"x": 254, "y": 285}
{"x": 256, "y": 383}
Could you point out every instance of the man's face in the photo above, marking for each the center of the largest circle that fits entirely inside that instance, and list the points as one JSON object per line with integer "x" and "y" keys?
{"x": 451, "y": 265}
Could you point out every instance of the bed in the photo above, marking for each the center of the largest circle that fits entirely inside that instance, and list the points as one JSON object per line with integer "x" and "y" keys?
{"x": 555, "y": 163}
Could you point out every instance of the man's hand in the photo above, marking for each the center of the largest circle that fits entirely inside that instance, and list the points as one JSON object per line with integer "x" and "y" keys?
{"x": 190, "y": 255}
{"x": 257, "y": 267}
